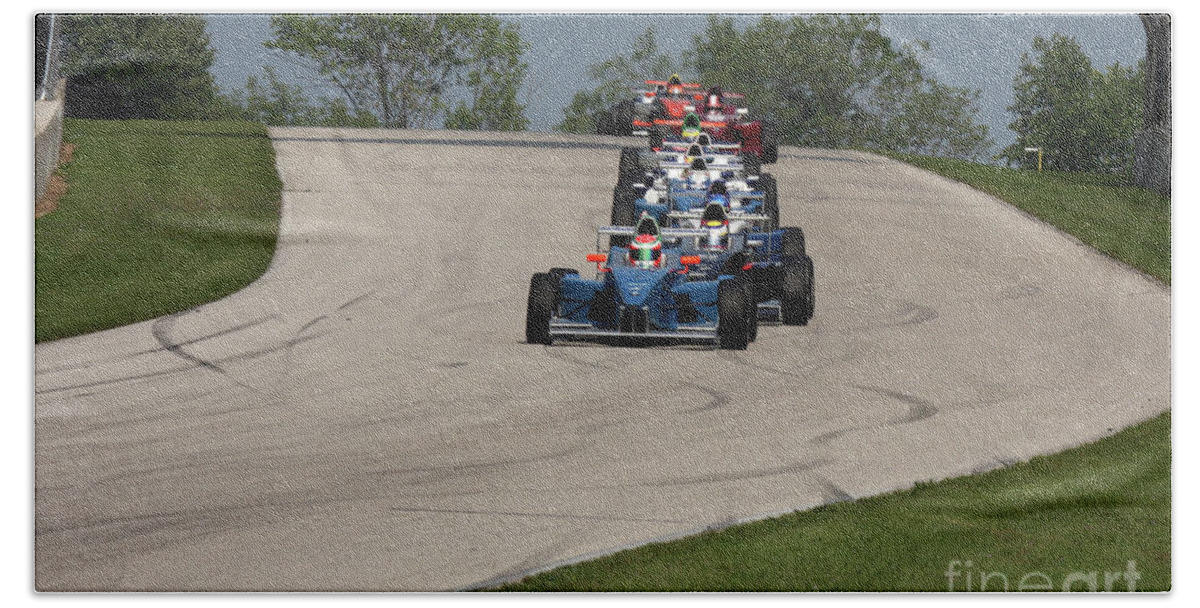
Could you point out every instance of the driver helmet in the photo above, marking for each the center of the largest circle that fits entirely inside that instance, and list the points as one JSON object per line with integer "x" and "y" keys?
{"x": 716, "y": 222}
{"x": 645, "y": 251}
{"x": 675, "y": 85}
{"x": 718, "y": 193}
{"x": 691, "y": 126}
{"x": 714, "y": 100}
{"x": 704, "y": 139}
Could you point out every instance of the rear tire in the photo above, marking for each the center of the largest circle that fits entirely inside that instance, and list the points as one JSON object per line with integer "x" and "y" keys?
{"x": 629, "y": 168}
{"x": 622, "y": 121}
{"x": 770, "y": 208}
{"x": 543, "y": 298}
{"x": 657, "y": 135}
{"x": 797, "y": 298}
{"x": 769, "y": 138}
{"x": 732, "y": 330}
{"x": 623, "y": 208}
{"x": 752, "y": 163}
{"x": 793, "y": 242}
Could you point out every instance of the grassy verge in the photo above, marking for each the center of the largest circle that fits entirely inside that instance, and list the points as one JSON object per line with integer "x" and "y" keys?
{"x": 1095, "y": 508}
{"x": 1130, "y": 224}
{"x": 1045, "y": 523}
{"x": 158, "y": 217}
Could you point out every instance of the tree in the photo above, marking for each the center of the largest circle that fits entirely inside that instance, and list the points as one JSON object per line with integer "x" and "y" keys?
{"x": 403, "y": 68}
{"x": 137, "y": 66}
{"x": 1082, "y": 119}
{"x": 615, "y": 77}
{"x": 1153, "y": 142}
{"x": 494, "y": 80}
{"x": 837, "y": 81}
{"x": 278, "y": 103}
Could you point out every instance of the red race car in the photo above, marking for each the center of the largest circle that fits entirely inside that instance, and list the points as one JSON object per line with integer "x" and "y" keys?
{"x": 660, "y": 113}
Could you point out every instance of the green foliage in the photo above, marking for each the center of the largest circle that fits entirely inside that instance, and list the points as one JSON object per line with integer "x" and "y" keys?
{"x": 837, "y": 81}
{"x": 1082, "y": 119}
{"x": 402, "y": 68}
{"x": 138, "y": 66}
{"x": 158, "y": 217}
{"x": 278, "y": 103}
{"x": 615, "y": 77}
{"x": 493, "y": 81}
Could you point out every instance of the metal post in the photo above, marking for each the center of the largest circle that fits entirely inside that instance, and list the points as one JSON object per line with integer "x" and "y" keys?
{"x": 48, "y": 59}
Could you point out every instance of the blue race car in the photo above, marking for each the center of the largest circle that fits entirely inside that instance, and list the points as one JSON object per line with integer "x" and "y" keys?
{"x": 773, "y": 262}
{"x": 685, "y": 187}
{"x": 642, "y": 292}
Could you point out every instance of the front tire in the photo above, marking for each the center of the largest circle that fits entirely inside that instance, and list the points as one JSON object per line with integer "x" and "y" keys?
{"x": 543, "y": 298}
{"x": 733, "y": 332}
{"x": 797, "y": 297}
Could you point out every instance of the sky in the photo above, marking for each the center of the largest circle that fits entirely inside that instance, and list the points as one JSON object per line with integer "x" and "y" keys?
{"x": 976, "y": 51}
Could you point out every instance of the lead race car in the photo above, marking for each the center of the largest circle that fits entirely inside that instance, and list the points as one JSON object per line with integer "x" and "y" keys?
{"x": 642, "y": 292}
{"x": 662, "y": 112}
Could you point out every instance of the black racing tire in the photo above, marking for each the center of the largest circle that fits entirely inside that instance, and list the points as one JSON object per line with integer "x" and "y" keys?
{"x": 623, "y": 208}
{"x": 604, "y": 122}
{"x": 629, "y": 168}
{"x": 733, "y": 332}
{"x": 559, "y": 273}
{"x": 657, "y": 135}
{"x": 751, "y": 310}
{"x": 793, "y": 242}
{"x": 768, "y": 136}
{"x": 752, "y": 163}
{"x": 797, "y": 296}
{"x": 770, "y": 207}
{"x": 543, "y": 298}
{"x": 622, "y": 120}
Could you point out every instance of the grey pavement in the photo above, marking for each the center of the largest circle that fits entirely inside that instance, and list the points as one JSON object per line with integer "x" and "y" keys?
{"x": 367, "y": 416}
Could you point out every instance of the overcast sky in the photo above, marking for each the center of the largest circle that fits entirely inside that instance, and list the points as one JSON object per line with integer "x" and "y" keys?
{"x": 978, "y": 51}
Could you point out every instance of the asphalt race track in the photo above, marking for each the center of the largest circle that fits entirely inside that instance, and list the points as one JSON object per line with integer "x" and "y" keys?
{"x": 367, "y": 416}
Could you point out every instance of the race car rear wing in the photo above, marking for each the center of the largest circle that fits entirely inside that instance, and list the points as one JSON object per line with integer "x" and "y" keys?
{"x": 733, "y": 216}
{"x": 663, "y": 83}
{"x": 666, "y": 233}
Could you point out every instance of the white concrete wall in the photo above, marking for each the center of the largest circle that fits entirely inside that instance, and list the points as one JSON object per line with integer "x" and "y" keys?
{"x": 47, "y": 121}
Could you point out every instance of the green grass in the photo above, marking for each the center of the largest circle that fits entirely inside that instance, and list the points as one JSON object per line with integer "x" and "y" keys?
{"x": 158, "y": 217}
{"x": 1130, "y": 224}
{"x": 1089, "y": 509}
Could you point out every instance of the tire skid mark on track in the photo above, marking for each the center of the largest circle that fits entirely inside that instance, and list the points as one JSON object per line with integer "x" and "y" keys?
{"x": 918, "y": 408}
{"x": 187, "y": 368}
{"x": 447, "y": 472}
{"x": 717, "y": 399}
{"x": 500, "y": 513}
{"x": 791, "y": 468}
{"x": 356, "y": 299}
{"x": 162, "y": 326}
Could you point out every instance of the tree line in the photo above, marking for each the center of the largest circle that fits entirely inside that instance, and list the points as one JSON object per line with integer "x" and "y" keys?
{"x": 826, "y": 80}
{"x": 394, "y": 71}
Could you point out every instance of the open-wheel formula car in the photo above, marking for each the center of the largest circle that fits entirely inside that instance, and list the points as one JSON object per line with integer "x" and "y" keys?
{"x": 774, "y": 262}
{"x": 662, "y": 113}
{"x": 682, "y": 185}
{"x": 643, "y": 292}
